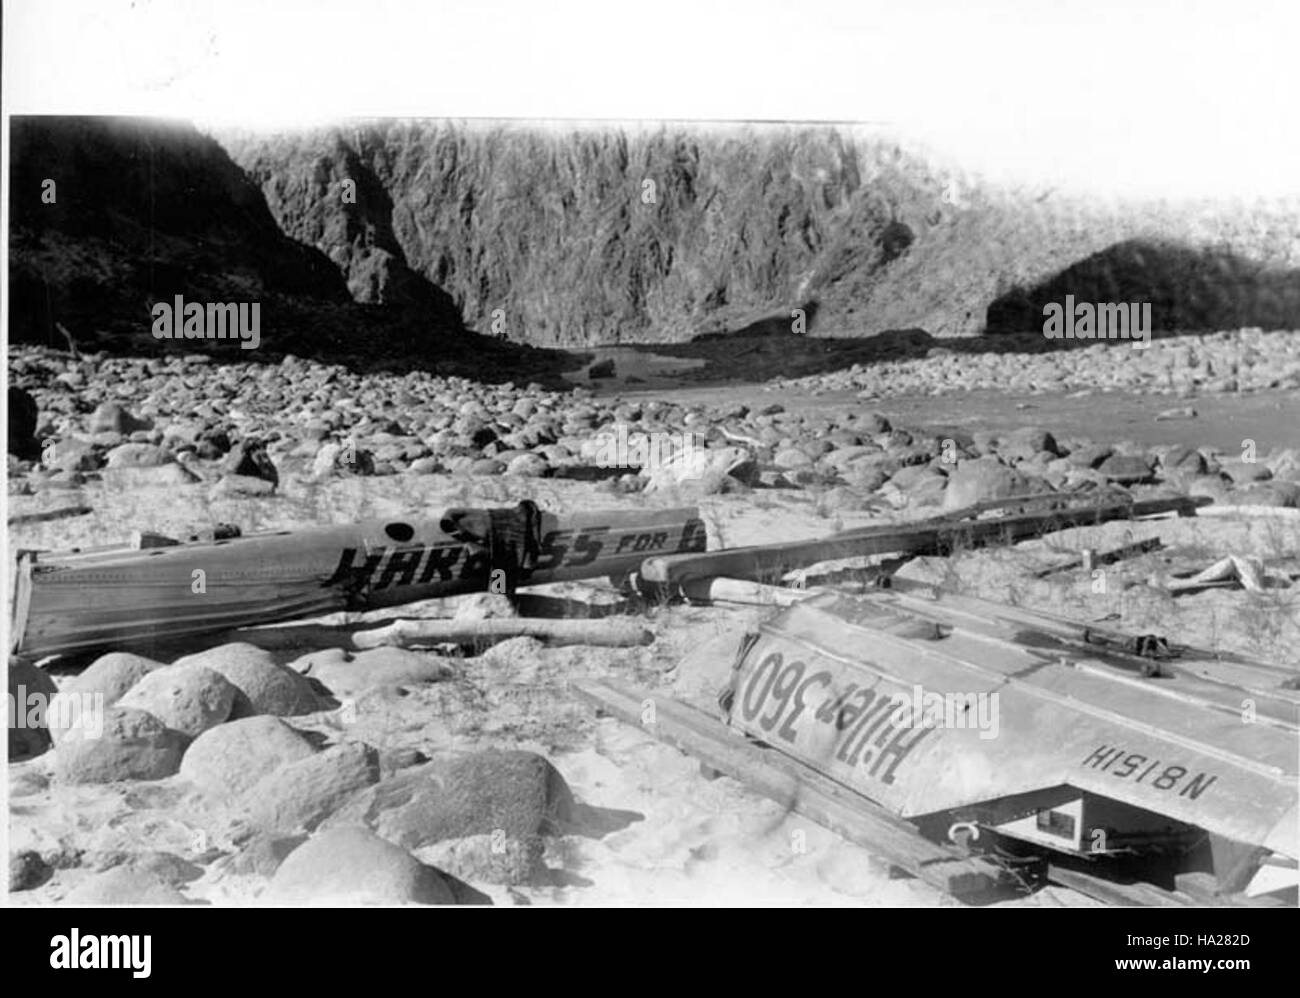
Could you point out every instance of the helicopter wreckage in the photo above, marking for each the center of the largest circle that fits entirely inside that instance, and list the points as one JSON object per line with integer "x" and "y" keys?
{"x": 981, "y": 747}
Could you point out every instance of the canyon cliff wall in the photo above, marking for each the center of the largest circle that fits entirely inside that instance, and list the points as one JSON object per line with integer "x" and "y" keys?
{"x": 392, "y": 236}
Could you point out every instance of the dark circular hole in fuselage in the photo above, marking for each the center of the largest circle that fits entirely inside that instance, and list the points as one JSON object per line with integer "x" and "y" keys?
{"x": 400, "y": 532}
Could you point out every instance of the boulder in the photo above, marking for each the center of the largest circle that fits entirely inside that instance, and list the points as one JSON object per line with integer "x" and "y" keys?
{"x": 425, "y": 466}
{"x": 1026, "y": 442}
{"x": 31, "y": 691}
{"x": 171, "y": 869}
{"x": 23, "y": 417}
{"x": 261, "y": 854}
{"x": 512, "y": 794}
{"x": 27, "y": 870}
{"x": 845, "y": 456}
{"x": 1285, "y": 464}
{"x": 351, "y": 866}
{"x": 980, "y": 479}
{"x": 1126, "y": 469}
{"x": 137, "y": 456}
{"x": 105, "y": 681}
{"x": 905, "y": 478}
{"x": 1183, "y": 459}
{"x": 112, "y": 417}
{"x": 872, "y": 423}
{"x": 227, "y": 760}
{"x": 299, "y": 795}
{"x": 211, "y": 444}
{"x": 112, "y": 674}
{"x": 528, "y": 466}
{"x": 262, "y": 685}
{"x": 131, "y": 745}
{"x": 187, "y": 698}
{"x": 486, "y": 466}
{"x": 249, "y": 459}
{"x": 792, "y": 457}
{"x": 705, "y": 469}
{"x": 866, "y": 476}
{"x": 489, "y": 859}
{"x": 347, "y": 459}
{"x": 72, "y": 455}
{"x": 124, "y": 885}
{"x": 1245, "y": 472}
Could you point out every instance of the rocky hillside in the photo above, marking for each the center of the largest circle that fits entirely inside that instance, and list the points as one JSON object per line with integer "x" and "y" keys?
{"x": 110, "y": 215}
{"x": 360, "y": 237}
{"x": 586, "y": 235}
{"x": 593, "y": 236}
{"x": 1189, "y": 287}
{"x": 139, "y": 212}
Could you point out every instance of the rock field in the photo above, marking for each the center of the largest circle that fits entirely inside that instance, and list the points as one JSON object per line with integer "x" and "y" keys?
{"x": 227, "y": 773}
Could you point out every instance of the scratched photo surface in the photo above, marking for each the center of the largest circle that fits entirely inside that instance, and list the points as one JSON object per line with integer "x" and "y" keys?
{"x": 863, "y": 475}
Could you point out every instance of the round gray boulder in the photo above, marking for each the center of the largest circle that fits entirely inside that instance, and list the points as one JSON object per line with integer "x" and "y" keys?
{"x": 980, "y": 479}
{"x": 102, "y": 684}
{"x": 31, "y": 692}
{"x": 227, "y": 760}
{"x": 130, "y": 744}
{"x": 510, "y": 795}
{"x": 352, "y": 865}
{"x": 262, "y": 685}
{"x": 125, "y": 885}
{"x": 300, "y": 794}
{"x": 188, "y": 698}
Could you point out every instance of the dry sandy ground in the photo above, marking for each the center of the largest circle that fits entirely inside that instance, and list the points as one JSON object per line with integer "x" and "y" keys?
{"x": 658, "y": 831}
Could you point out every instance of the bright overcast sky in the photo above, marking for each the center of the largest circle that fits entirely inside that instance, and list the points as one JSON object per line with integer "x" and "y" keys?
{"x": 1123, "y": 97}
